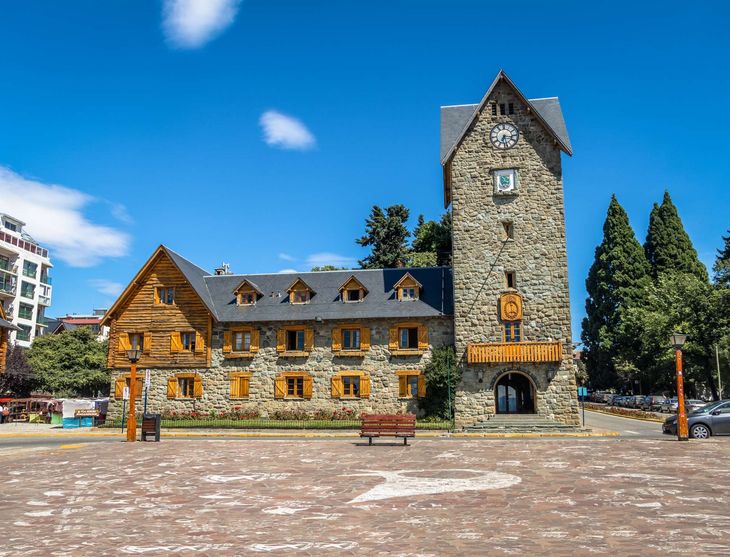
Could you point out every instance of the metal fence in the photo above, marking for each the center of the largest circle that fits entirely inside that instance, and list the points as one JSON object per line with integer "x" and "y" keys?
{"x": 266, "y": 423}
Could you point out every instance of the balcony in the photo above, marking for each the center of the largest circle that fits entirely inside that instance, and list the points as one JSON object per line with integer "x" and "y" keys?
{"x": 514, "y": 352}
{"x": 7, "y": 290}
{"x": 44, "y": 300}
{"x": 8, "y": 268}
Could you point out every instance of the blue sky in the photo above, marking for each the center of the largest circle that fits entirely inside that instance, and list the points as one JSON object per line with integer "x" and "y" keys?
{"x": 152, "y": 117}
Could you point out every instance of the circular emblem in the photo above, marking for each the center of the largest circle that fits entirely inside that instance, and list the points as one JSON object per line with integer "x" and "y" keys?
{"x": 504, "y": 136}
{"x": 511, "y": 309}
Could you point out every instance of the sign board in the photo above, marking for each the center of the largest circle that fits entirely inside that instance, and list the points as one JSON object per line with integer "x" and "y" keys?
{"x": 125, "y": 393}
{"x": 147, "y": 379}
{"x": 86, "y": 413}
{"x": 582, "y": 391}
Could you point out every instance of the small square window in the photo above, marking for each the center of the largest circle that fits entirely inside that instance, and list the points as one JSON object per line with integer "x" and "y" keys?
{"x": 186, "y": 387}
{"x": 513, "y": 331}
{"x": 188, "y": 341}
{"x": 295, "y": 341}
{"x": 300, "y": 297}
{"x": 511, "y": 108}
{"x": 510, "y": 278}
{"x": 351, "y": 385}
{"x": 502, "y": 109}
{"x": 351, "y": 339}
{"x": 353, "y": 295}
{"x": 508, "y": 230}
{"x": 165, "y": 296}
{"x": 295, "y": 387}
{"x": 408, "y": 338}
{"x": 247, "y": 298}
{"x": 241, "y": 341}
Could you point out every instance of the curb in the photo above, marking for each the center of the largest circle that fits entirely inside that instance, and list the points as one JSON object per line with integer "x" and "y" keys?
{"x": 535, "y": 435}
{"x": 652, "y": 420}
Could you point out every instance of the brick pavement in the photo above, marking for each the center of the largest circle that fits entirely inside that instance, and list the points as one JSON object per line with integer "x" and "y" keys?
{"x": 605, "y": 496}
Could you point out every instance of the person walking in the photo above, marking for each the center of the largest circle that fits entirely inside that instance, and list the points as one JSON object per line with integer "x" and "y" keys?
{"x": 2, "y": 415}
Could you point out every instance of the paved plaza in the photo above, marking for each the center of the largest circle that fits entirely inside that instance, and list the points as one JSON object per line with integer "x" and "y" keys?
{"x": 602, "y": 496}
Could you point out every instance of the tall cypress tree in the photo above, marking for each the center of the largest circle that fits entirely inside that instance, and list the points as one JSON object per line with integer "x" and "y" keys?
{"x": 721, "y": 268}
{"x": 617, "y": 280}
{"x": 668, "y": 246}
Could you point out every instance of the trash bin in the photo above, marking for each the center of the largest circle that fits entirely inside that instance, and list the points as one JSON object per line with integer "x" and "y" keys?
{"x": 151, "y": 426}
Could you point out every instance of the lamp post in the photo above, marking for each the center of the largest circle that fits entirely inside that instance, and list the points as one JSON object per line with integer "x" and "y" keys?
{"x": 133, "y": 356}
{"x": 677, "y": 340}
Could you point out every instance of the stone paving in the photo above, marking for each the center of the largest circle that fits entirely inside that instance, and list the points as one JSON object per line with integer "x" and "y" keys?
{"x": 606, "y": 496}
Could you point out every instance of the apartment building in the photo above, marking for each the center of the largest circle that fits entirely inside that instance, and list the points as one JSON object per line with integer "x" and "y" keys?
{"x": 25, "y": 285}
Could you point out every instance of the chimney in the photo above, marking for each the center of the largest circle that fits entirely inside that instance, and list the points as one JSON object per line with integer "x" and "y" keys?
{"x": 224, "y": 269}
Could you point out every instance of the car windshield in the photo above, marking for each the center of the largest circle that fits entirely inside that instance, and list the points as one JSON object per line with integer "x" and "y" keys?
{"x": 706, "y": 408}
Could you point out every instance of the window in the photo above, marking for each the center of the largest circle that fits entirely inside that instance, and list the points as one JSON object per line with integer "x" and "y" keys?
{"x": 511, "y": 108}
{"x": 188, "y": 341}
{"x": 240, "y": 382}
{"x": 247, "y": 293}
{"x": 136, "y": 341}
{"x": 4, "y": 263}
{"x": 408, "y": 338}
{"x": 351, "y": 384}
{"x": 185, "y": 386}
{"x": 513, "y": 331}
{"x": 508, "y": 230}
{"x": 408, "y": 294}
{"x": 25, "y": 311}
{"x": 408, "y": 288}
{"x": 300, "y": 297}
{"x": 494, "y": 109}
{"x": 27, "y": 290}
{"x": 411, "y": 384}
{"x": 502, "y": 109}
{"x": 352, "y": 290}
{"x": 510, "y": 279}
{"x": 30, "y": 269}
{"x": 351, "y": 339}
{"x": 24, "y": 332}
{"x": 294, "y": 384}
{"x": 246, "y": 299}
{"x": 165, "y": 295}
{"x": 295, "y": 341}
{"x": 11, "y": 226}
{"x": 353, "y": 295}
{"x": 241, "y": 341}
{"x": 125, "y": 381}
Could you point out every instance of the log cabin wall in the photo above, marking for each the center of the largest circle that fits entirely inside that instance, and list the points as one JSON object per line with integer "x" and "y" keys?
{"x": 3, "y": 348}
{"x": 159, "y": 322}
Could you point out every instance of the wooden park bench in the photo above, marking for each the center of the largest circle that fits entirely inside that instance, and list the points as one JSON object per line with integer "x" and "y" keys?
{"x": 150, "y": 426}
{"x": 388, "y": 425}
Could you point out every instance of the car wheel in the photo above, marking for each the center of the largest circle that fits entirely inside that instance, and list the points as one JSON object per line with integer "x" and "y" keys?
{"x": 699, "y": 431}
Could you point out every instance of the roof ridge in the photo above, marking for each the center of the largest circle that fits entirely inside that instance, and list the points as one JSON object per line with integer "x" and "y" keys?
{"x": 332, "y": 271}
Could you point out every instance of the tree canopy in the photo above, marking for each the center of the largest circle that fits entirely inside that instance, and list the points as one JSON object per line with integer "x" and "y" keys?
{"x": 387, "y": 235}
{"x": 432, "y": 242}
{"x": 721, "y": 268}
{"x": 18, "y": 378}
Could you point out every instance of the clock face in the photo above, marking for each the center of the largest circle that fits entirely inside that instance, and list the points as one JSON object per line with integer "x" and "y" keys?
{"x": 504, "y": 136}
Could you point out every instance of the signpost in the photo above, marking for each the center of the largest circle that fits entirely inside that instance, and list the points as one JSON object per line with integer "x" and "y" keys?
{"x": 582, "y": 394}
{"x": 147, "y": 383}
{"x": 125, "y": 398}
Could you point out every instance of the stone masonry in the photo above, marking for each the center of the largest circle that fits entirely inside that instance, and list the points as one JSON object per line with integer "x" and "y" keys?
{"x": 537, "y": 254}
{"x": 321, "y": 363}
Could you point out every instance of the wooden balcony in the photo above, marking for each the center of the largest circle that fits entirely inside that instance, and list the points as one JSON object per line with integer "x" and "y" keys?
{"x": 514, "y": 352}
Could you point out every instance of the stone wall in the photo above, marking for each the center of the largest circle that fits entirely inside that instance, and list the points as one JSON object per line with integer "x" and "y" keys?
{"x": 321, "y": 363}
{"x": 537, "y": 254}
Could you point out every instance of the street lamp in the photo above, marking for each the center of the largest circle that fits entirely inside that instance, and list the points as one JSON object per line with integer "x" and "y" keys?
{"x": 677, "y": 340}
{"x": 133, "y": 355}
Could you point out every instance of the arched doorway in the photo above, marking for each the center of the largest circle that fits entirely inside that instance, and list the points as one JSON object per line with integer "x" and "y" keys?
{"x": 514, "y": 393}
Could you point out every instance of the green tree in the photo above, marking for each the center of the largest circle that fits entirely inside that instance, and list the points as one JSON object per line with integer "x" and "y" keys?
{"x": 442, "y": 377}
{"x": 617, "y": 280}
{"x": 721, "y": 268}
{"x": 72, "y": 363}
{"x": 328, "y": 268}
{"x": 433, "y": 238}
{"x": 668, "y": 246}
{"x": 387, "y": 235}
{"x": 17, "y": 379}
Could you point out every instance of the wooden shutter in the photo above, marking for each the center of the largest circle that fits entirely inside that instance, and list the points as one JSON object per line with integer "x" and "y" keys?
{"x": 227, "y": 347}
{"x": 255, "y": 340}
{"x": 172, "y": 387}
{"x": 124, "y": 343}
{"x": 423, "y": 337}
{"x": 198, "y": 387}
{"x": 280, "y": 387}
{"x": 365, "y": 386}
{"x": 281, "y": 340}
{"x": 119, "y": 385}
{"x": 421, "y": 386}
{"x": 176, "y": 342}
{"x": 146, "y": 342}
{"x": 336, "y": 340}
{"x": 138, "y": 387}
{"x": 157, "y": 295}
{"x": 239, "y": 385}
{"x": 403, "y": 386}
{"x": 235, "y": 382}
{"x": 199, "y": 343}
{"x": 307, "y": 392}
{"x": 365, "y": 339}
{"x": 336, "y": 386}
{"x": 393, "y": 338}
{"x": 245, "y": 381}
{"x": 308, "y": 339}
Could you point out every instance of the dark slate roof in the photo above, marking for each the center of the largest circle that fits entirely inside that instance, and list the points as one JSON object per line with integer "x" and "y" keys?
{"x": 195, "y": 276}
{"x": 380, "y": 302}
{"x": 4, "y": 324}
{"x": 455, "y": 118}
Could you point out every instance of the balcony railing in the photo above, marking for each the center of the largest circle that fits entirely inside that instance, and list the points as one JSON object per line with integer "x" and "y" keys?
{"x": 514, "y": 352}
{"x": 44, "y": 300}
{"x": 7, "y": 288}
{"x": 8, "y": 268}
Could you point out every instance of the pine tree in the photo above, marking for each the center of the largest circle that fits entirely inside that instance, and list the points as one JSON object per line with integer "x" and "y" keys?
{"x": 617, "y": 280}
{"x": 434, "y": 238}
{"x": 721, "y": 268}
{"x": 668, "y": 246}
{"x": 386, "y": 232}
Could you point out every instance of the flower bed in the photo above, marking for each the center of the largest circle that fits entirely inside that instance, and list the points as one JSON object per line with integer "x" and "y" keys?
{"x": 625, "y": 412}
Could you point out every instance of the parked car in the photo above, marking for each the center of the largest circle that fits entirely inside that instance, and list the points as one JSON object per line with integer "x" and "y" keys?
{"x": 690, "y": 405}
{"x": 652, "y": 403}
{"x": 710, "y": 419}
{"x": 635, "y": 401}
{"x": 668, "y": 404}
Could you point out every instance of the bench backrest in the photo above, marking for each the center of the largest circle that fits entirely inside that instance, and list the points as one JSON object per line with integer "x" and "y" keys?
{"x": 388, "y": 421}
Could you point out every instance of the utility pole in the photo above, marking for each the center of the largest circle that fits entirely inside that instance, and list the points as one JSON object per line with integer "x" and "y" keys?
{"x": 719, "y": 378}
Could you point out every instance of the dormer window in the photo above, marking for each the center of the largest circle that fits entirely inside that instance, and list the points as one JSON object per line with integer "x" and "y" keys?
{"x": 408, "y": 288}
{"x": 300, "y": 292}
{"x": 352, "y": 290}
{"x": 247, "y": 293}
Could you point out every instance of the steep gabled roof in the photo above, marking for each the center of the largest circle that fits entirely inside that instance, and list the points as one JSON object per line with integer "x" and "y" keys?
{"x": 405, "y": 278}
{"x": 353, "y": 278}
{"x": 299, "y": 280}
{"x": 251, "y": 285}
{"x": 456, "y": 120}
{"x": 192, "y": 273}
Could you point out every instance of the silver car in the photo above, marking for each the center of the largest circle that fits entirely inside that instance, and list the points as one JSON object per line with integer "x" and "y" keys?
{"x": 711, "y": 419}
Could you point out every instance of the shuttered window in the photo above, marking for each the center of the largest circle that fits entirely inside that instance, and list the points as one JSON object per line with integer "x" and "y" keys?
{"x": 351, "y": 384}
{"x": 125, "y": 381}
{"x": 294, "y": 340}
{"x": 351, "y": 340}
{"x": 134, "y": 341}
{"x": 240, "y": 382}
{"x": 164, "y": 295}
{"x": 187, "y": 341}
{"x": 294, "y": 385}
{"x": 241, "y": 342}
{"x": 408, "y": 338}
{"x": 185, "y": 386}
{"x": 411, "y": 384}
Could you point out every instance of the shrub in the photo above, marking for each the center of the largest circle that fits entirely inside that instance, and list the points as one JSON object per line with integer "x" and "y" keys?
{"x": 438, "y": 371}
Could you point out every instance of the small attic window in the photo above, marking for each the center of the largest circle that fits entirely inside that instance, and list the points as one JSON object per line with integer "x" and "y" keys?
{"x": 407, "y": 288}
{"x": 247, "y": 294}
{"x": 502, "y": 109}
{"x": 511, "y": 108}
{"x": 300, "y": 292}
{"x": 246, "y": 299}
{"x": 352, "y": 290}
{"x": 352, "y": 295}
{"x": 494, "y": 109}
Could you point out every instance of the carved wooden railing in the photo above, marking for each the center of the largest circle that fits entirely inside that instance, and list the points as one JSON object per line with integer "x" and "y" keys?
{"x": 509, "y": 352}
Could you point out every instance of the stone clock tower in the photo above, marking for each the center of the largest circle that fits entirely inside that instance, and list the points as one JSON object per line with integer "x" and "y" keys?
{"x": 502, "y": 176}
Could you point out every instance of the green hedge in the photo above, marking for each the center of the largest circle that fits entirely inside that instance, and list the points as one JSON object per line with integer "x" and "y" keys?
{"x": 260, "y": 423}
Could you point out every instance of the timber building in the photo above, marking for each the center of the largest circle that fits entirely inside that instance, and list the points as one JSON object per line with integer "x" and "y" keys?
{"x": 360, "y": 339}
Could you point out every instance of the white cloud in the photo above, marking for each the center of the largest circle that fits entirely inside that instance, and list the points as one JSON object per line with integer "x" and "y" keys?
{"x": 286, "y": 257}
{"x": 107, "y": 287}
{"x": 286, "y": 271}
{"x": 55, "y": 219}
{"x": 119, "y": 212}
{"x": 326, "y": 258}
{"x": 285, "y": 131}
{"x": 192, "y": 23}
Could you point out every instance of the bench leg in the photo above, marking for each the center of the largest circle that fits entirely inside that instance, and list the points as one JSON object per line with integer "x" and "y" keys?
{"x": 405, "y": 441}
{"x": 370, "y": 440}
